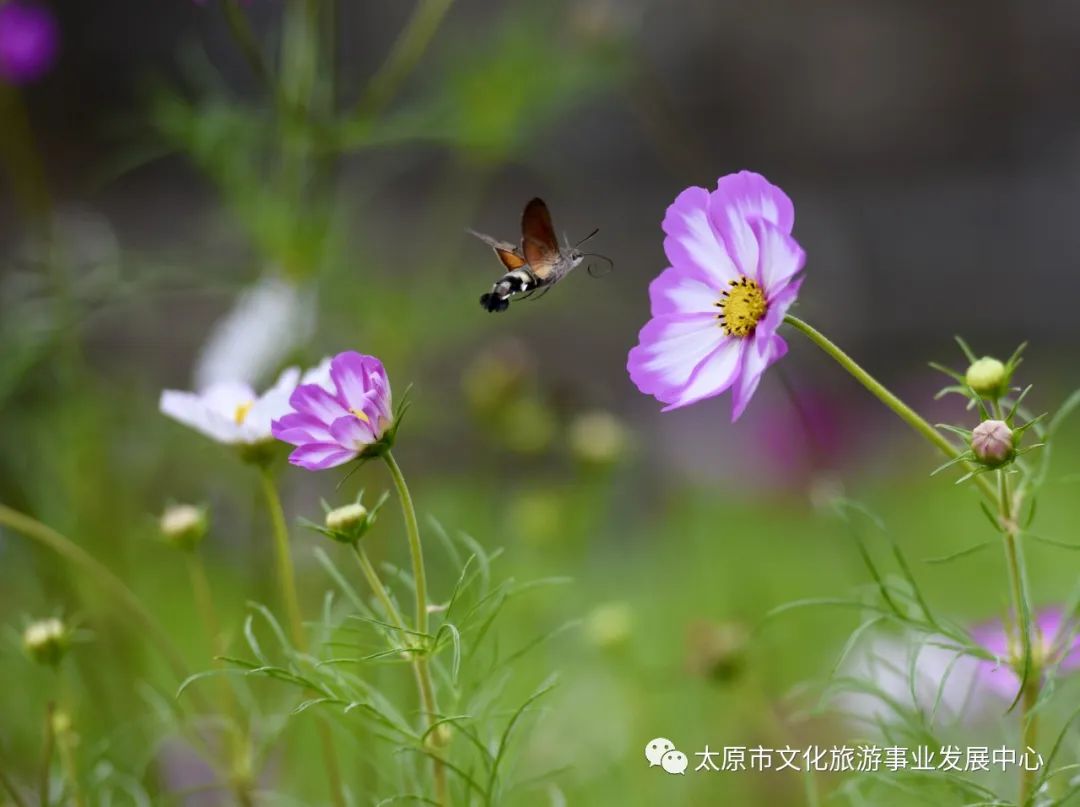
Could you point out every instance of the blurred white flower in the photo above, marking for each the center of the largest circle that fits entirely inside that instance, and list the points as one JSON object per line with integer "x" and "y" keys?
{"x": 231, "y": 412}
{"x": 268, "y": 321}
{"x": 909, "y": 672}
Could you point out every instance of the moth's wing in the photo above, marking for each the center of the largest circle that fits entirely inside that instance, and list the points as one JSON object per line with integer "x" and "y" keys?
{"x": 510, "y": 259}
{"x": 539, "y": 243}
{"x": 506, "y": 252}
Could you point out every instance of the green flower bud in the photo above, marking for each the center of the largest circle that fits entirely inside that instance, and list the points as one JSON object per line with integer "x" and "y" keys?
{"x": 988, "y": 377}
{"x": 610, "y": 625}
{"x": 993, "y": 443}
{"x": 184, "y": 525}
{"x": 349, "y": 523}
{"x": 46, "y": 641}
{"x": 597, "y": 438}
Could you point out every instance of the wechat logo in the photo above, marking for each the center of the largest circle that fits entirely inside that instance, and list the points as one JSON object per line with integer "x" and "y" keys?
{"x": 662, "y": 752}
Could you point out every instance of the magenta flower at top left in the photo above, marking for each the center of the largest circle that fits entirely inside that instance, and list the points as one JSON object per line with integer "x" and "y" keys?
{"x": 29, "y": 41}
{"x": 330, "y": 427}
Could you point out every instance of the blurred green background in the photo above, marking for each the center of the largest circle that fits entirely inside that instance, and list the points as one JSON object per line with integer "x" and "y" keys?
{"x": 159, "y": 173}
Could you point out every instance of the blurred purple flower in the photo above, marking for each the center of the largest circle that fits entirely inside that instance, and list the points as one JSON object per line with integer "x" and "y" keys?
{"x": 1054, "y": 641}
{"x": 716, "y": 309}
{"x": 806, "y": 432}
{"x": 924, "y": 673}
{"x": 333, "y": 427}
{"x": 29, "y": 40}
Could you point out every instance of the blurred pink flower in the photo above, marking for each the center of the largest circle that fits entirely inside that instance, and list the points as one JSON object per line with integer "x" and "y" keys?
{"x": 716, "y": 309}
{"x": 1054, "y": 641}
{"x": 333, "y": 427}
{"x": 29, "y": 41}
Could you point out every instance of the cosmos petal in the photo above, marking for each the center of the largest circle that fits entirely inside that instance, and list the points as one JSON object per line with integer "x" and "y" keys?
{"x": 670, "y": 348}
{"x": 760, "y": 351}
{"x": 296, "y": 428}
{"x": 311, "y": 399}
{"x": 677, "y": 291}
{"x": 712, "y": 376}
{"x": 320, "y": 456}
{"x": 779, "y": 256}
{"x": 352, "y": 432}
{"x": 692, "y": 243}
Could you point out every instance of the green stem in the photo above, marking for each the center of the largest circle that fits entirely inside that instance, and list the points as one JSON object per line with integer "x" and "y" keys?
{"x": 12, "y": 791}
{"x": 65, "y": 744}
{"x": 423, "y": 673}
{"x": 418, "y": 660}
{"x": 113, "y": 585}
{"x": 410, "y": 46}
{"x": 905, "y": 412}
{"x": 47, "y": 757}
{"x": 416, "y": 549}
{"x": 240, "y": 769}
{"x": 283, "y": 560}
{"x": 381, "y": 594}
{"x": 1026, "y": 667}
{"x": 287, "y": 581}
{"x": 246, "y": 40}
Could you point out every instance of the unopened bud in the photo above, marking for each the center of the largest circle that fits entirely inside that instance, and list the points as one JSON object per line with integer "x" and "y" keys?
{"x": 183, "y": 525}
{"x": 46, "y": 641}
{"x": 716, "y": 650}
{"x": 988, "y": 377}
{"x": 992, "y": 442}
{"x": 610, "y": 625}
{"x": 347, "y": 522}
{"x": 597, "y": 438}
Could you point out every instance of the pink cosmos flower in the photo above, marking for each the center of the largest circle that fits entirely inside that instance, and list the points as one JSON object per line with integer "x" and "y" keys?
{"x": 1054, "y": 641}
{"x": 716, "y": 309}
{"x": 332, "y": 427}
{"x": 29, "y": 41}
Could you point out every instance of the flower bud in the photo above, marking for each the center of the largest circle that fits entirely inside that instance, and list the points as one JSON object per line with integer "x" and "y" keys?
{"x": 992, "y": 442}
{"x": 348, "y": 523}
{"x": 716, "y": 651}
{"x": 988, "y": 377}
{"x": 609, "y": 625}
{"x": 46, "y": 641}
{"x": 597, "y": 438}
{"x": 183, "y": 525}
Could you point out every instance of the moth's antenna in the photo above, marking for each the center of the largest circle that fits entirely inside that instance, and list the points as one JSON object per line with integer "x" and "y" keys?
{"x": 586, "y": 238}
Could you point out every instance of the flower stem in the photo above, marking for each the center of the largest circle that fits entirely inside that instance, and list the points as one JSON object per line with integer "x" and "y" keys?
{"x": 905, "y": 412}
{"x": 9, "y": 787}
{"x": 407, "y": 51}
{"x": 239, "y": 774}
{"x": 287, "y": 580}
{"x": 377, "y": 586}
{"x": 1027, "y": 666}
{"x": 416, "y": 549}
{"x": 423, "y": 673}
{"x": 68, "y": 549}
{"x": 283, "y": 559}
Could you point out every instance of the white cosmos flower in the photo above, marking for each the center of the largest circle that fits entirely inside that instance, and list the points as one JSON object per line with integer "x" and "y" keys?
{"x": 913, "y": 673}
{"x": 231, "y": 412}
{"x": 268, "y": 321}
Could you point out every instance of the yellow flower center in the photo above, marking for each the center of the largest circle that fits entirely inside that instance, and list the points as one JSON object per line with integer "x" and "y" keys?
{"x": 741, "y": 307}
{"x": 360, "y": 415}
{"x": 241, "y": 413}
